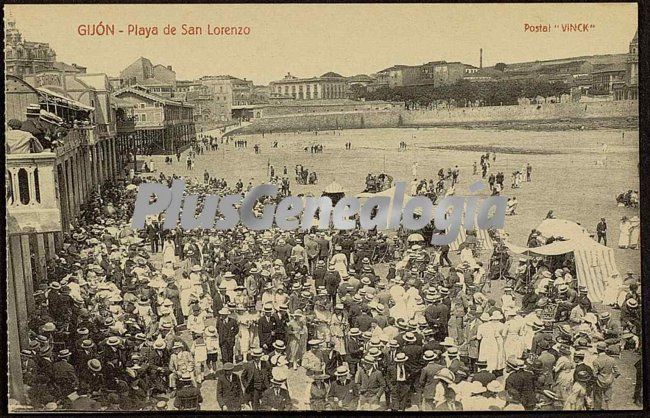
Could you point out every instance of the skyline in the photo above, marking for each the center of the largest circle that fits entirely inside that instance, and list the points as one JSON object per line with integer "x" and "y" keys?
{"x": 291, "y": 38}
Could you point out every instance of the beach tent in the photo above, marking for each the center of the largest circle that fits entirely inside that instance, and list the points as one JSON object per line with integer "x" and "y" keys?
{"x": 334, "y": 191}
{"x": 482, "y": 235}
{"x": 594, "y": 262}
{"x": 390, "y": 193}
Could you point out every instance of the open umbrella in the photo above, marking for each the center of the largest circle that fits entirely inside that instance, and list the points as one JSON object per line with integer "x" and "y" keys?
{"x": 415, "y": 238}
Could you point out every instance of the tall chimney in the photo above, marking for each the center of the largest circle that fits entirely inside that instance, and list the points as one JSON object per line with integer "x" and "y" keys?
{"x": 481, "y": 61}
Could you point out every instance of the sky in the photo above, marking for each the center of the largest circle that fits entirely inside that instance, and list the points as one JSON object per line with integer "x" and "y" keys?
{"x": 309, "y": 39}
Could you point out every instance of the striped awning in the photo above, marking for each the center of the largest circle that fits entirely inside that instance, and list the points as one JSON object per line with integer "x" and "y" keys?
{"x": 595, "y": 263}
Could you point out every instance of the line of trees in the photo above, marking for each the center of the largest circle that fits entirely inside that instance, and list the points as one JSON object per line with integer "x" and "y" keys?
{"x": 465, "y": 93}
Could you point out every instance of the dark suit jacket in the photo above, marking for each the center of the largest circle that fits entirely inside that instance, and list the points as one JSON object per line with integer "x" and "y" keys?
{"x": 229, "y": 393}
{"x": 256, "y": 379}
{"x": 266, "y": 327}
{"x": 280, "y": 401}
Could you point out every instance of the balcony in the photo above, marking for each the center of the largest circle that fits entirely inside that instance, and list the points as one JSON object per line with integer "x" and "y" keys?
{"x": 126, "y": 125}
{"x": 32, "y": 199}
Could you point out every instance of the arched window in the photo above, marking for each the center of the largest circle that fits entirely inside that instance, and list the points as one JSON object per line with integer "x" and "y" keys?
{"x": 9, "y": 187}
{"x": 37, "y": 187}
{"x": 23, "y": 186}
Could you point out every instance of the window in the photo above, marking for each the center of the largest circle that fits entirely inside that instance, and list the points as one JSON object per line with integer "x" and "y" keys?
{"x": 142, "y": 105}
{"x": 144, "y": 117}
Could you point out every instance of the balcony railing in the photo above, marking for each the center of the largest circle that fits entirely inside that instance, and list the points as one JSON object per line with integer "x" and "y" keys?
{"x": 32, "y": 199}
{"x": 125, "y": 125}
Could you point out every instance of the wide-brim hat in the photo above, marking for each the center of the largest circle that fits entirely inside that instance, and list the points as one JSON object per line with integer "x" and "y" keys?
{"x": 94, "y": 365}
{"x": 582, "y": 376}
{"x": 400, "y": 358}
{"x": 430, "y": 355}
{"x": 228, "y": 366}
{"x": 342, "y": 371}
{"x": 257, "y": 352}
{"x": 279, "y": 345}
{"x": 409, "y": 337}
{"x": 448, "y": 342}
{"x": 446, "y": 375}
{"x": 65, "y": 353}
{"x": 87, "y": 344}
{"x": 495, "y": 386}
{"x": 514, "y": 363}
{"x": 632, "y": 303}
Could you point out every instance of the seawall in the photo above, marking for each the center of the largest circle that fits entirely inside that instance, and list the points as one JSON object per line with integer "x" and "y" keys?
{"x": 543, "y": 112}
{"x": 627, "y": 110}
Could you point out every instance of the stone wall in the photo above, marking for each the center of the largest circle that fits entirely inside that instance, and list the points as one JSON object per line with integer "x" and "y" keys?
{"x": 549, "y": 112}
{"x": 324, "y": 106}
{"x": 324, "y": 121}
{"x": 627, "y": 109}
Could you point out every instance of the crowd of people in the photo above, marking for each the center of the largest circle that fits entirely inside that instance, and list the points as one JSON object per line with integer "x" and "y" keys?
{"x": 139, "y": 320}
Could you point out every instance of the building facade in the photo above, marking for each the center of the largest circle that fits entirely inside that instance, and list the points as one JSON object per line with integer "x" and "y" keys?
{"x": 23, "y": 57}
{"x": 45, "y": 193}
{"x": 441, "y": 73}
{"x": 328, "y": 86}
{"x": 162, "y": 126}
{"x": 144, "y": 72}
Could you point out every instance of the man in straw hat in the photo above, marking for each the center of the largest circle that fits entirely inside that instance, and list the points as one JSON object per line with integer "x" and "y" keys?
{"x": 398, "y": 381}
{"x": 372, "y": 384}
{"x": 276, "y": 397}
{"x": 255, "y": 377}
{"x": 229, "y": 389}
{"x": 227, "y": 329}
{"x": 344, "y": 392}
{"x": 188, "y": 397}
{"x": 428, "y": 380}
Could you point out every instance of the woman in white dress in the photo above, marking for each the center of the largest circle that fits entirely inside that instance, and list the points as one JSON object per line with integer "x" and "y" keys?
{"x": 635, "y": 227}
{"x": 340, "y": 262}
{"x": 400, "y": 308}
{"x": 513, "y": 330}
{"x": 613, "y": 287}
{"x": 491, "y": 349}
{"x": 624, "y": 238}
{"x": 169, "y": 252}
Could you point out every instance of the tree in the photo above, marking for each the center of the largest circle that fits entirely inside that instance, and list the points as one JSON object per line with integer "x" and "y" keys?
{"x": 500, "y": 66}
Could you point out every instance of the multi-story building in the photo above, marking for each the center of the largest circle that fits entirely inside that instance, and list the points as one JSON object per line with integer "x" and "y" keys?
{"x": 23, "y": 57}
{"x": 328, "y": 86}
{"x": 607, "y": 78}
{"x": 260, "y": 94}
{"x": 45, "y": 193}
{"x": 630, "y": 89}
{"x": 399, "y": 76}
{"x": 441, "y": 73}
{"x": 221, "y": 88}
{"x": 162, "y": 126}
{"x": 142, "y": 71}
{"x": 242, "y": 91}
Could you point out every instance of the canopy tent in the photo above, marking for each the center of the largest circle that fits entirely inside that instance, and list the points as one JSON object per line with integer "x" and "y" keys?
{"x": 561, "y": 228}
{"x": 390, "y": 193}
{"x": 595, "y": 263}
{"x": 334, "y": 187}
{"x": 334, "y": 191}
{"x": 482, "y": 235}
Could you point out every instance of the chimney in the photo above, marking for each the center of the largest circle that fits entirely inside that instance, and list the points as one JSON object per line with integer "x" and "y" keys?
{"x": 481, "y": 60}
{"x": 169, "y": 67}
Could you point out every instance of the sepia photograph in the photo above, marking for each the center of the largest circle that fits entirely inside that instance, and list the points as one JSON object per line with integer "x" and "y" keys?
{"x": 322, "y": 207}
